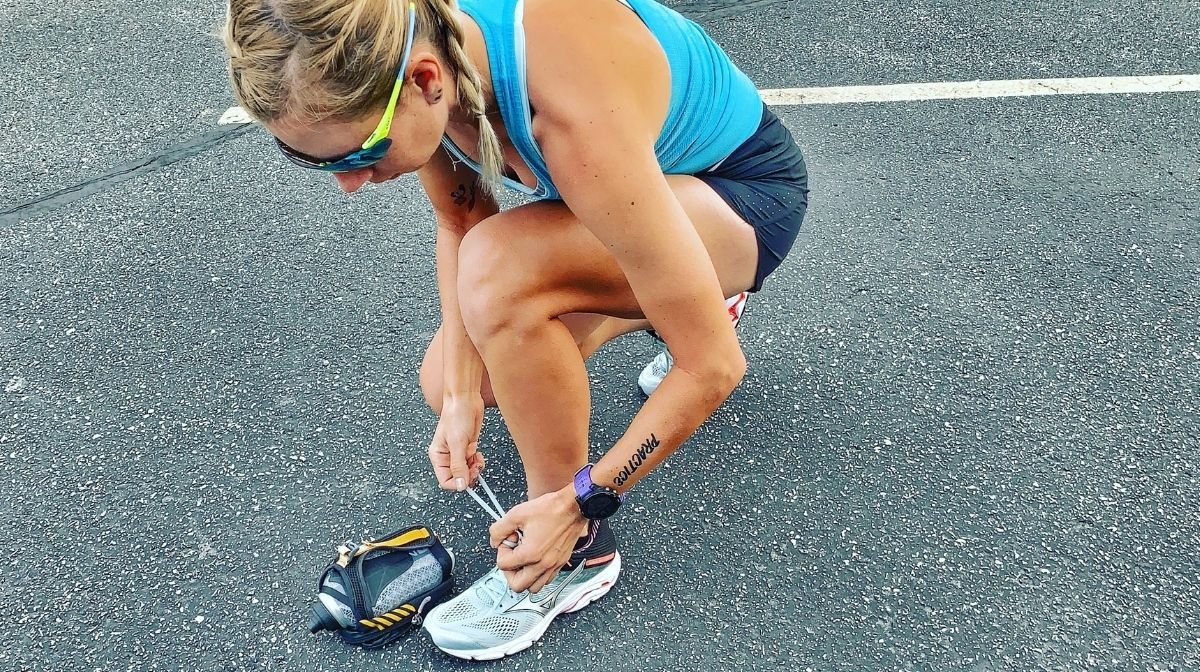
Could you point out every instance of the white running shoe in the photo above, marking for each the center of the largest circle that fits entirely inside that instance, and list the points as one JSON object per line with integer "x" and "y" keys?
{"x": 658, "y": 367}
{"x": 489, "y": 621}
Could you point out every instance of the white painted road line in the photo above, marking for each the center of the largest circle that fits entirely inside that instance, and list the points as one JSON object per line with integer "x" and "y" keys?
{"x": 1000, "y": 88}
{"x": 234, "y": 115}
{"x": 980, "y": 89}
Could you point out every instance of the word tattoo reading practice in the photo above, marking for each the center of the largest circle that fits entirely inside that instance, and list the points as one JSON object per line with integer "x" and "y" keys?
{"x": 644, "y": 452}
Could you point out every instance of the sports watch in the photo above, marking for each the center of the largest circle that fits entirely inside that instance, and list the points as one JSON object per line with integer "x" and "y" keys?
{"x": 595, "y": 501}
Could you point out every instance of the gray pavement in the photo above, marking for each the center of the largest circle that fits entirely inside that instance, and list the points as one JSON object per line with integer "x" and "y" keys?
{"x": 967, "y": 440}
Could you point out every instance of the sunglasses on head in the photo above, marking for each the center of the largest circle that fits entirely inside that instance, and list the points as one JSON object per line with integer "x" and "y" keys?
{"x": 376, "y": 146}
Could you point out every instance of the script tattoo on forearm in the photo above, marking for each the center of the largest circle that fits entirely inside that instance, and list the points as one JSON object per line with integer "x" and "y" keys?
{"x": 639, "y": 458}
{"x": 461, "y": 196}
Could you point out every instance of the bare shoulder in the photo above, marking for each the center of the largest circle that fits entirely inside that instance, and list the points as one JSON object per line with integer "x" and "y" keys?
{"x": 589, "y": 57}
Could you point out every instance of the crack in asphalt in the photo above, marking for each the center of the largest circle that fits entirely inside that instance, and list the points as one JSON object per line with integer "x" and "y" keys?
{"x": 216, "y": 136}
{"x": 121, "y": 173}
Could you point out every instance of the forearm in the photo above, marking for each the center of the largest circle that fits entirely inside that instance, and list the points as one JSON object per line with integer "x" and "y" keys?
{"x": 462, "y": 368}
{"x": 678, "y": 407}
{"x": 459, "y": 205}
{"x": 616, "y": 188}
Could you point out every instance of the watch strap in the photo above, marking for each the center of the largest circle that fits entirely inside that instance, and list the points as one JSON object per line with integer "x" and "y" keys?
{"x": 584, "y": 485}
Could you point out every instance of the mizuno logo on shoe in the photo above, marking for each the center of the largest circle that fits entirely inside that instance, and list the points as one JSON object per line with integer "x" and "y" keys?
{"x": 545, "y": 600}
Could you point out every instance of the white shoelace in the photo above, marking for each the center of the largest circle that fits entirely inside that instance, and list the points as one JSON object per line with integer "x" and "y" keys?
{"x": 496, "y": 513}
{"x": 493, "y": 585}
{"x": 494, "y": 510}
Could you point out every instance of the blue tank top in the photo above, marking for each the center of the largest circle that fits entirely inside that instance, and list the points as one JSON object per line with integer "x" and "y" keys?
{"x": 713, "y": 109}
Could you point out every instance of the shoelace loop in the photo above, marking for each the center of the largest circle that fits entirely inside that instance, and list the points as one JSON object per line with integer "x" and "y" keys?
{"x": 496, "y": 513}
{"x": 495, "y": 587}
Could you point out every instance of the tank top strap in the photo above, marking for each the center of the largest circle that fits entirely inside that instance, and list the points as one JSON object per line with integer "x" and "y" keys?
{"x": 501, "y": 22}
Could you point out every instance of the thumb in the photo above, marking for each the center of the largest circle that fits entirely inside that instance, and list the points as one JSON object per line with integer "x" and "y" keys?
{"x": 459, "y": 470}
{"x": 502, "y": 529}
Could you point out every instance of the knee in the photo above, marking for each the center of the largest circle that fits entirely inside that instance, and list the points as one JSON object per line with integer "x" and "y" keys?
{"x": 497, "y": 286}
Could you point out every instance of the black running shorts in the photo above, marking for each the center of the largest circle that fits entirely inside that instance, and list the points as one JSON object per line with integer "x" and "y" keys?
{"x": 766, "y": 182}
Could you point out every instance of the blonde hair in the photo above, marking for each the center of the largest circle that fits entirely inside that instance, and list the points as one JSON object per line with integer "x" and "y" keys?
{"x": 315, "y": 60}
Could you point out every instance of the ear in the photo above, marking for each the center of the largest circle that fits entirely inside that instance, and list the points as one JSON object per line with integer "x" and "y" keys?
{"x": 429, "y": 76}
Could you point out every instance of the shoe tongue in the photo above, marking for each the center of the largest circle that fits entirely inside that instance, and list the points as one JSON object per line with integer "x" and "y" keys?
{"x": 494, "y": 585}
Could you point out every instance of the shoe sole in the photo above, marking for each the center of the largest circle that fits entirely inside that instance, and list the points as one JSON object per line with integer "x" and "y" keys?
{"x": 593, "y": 590}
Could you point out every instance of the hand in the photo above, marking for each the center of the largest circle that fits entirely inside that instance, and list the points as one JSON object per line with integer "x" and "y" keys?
{"x": 550, "y": 525}
{"x": 454, "y": 451}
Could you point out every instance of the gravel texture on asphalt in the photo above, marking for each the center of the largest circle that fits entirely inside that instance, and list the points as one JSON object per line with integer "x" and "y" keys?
{"x": 967, "y": 439}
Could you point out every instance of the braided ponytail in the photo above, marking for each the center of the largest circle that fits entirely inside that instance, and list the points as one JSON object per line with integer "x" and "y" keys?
{"x": 470, "y": 91}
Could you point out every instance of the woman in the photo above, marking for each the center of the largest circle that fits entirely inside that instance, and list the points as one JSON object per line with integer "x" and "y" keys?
{"x": 661, "y": 185}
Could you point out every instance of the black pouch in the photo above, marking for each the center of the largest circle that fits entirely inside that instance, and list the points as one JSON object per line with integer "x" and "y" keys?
{"x": 376, "y": 591}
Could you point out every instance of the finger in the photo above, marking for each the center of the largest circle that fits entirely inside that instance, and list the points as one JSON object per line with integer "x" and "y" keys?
{"x": 521, "y": 579}
{"x": 439, "y": 456}
{"x": 476, "y": 464}
{"x": 442, "y": 474}
{"x": 458, "y": 467}
{"x": 540, "y": 575}
{"x": 503, "y": 529}
{"x": 514, "y": 559}
{"x": 510, "y": 577}
{"x": 440, "y": 461}
{"x": 444, "y": 478}
{"x": 543, "y": 579}
{"x": 471, "y": 443}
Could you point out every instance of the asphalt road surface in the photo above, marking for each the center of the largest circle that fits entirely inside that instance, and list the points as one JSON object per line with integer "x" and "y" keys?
{"x": 967, "y": 439}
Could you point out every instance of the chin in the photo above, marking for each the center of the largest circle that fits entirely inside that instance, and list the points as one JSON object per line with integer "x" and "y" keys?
{"x": 395, "y": 172}
{"x": 399, "y": 173}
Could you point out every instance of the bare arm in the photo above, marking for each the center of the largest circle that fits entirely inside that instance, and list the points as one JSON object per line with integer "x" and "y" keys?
{"x": 595, "y": 92}
{"x": 459, "y": 204}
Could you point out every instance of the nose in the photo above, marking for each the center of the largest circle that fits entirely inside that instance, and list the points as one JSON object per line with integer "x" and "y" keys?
{"x": 351, "y": 180}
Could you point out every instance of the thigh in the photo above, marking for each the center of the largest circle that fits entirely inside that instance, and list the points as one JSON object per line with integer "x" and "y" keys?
{"x": 542, "y": 253}
{"x": 589, "y": 329}
{"x": 562, "y": 263}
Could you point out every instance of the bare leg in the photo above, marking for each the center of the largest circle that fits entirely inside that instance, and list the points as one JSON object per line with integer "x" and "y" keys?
{"x": 524, "y": 272}
{"x": 590, "y": 331}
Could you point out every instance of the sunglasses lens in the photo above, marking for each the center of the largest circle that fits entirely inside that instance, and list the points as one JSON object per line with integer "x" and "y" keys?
{"x": 353, "y": 161}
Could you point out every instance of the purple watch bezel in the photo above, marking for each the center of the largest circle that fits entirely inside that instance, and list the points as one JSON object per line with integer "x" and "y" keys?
{"x": 584, "y": 485}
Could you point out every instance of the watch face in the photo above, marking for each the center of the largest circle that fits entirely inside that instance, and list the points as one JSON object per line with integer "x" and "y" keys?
{"x": 600, "y": 505}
